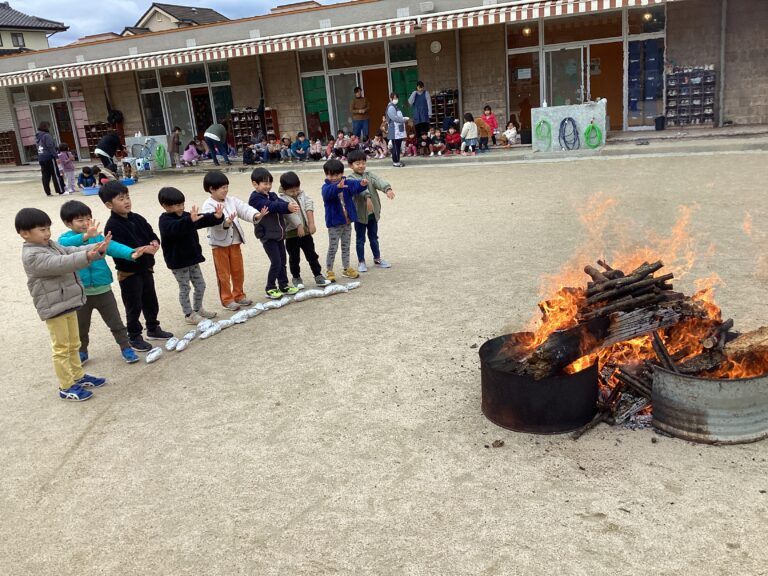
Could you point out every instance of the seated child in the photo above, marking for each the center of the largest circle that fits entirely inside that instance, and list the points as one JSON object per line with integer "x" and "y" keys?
{"x": 340, "y": 212}
{"x": 410, "y": 144}
{"x": 135, "y": 277}
{"x": 249, "y": 155}
{"x": 190, "y": 156}
{"x": 340, "y": 145}
{"x": 438, "y": 143}
{"x": 379, "y": 145}
{"x": 452, "y": 141}
{"x": 97, "y": 278}
{"x": 273, "y": 149}
{"x": 182, "y": 251}
{"x": 354, "y": 142}
{"x": 469, "y": 136}
{"x": 86, "y": 178}
{"x": 286, "y": 154}
{"x": 300, "y": 148}
{"x": 316, "y": 150}
{"x": 299, "y": 228}
{"x": 57, "y": 293}
{"x": 271, "y": 231}
{"x": 509, "y": 137}
{"x": 425, "y": 145}
{"x": 368, "y": 208}
{"x": 225, "y": 239}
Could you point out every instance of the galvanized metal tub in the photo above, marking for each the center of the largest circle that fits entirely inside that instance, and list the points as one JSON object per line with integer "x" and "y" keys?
{"x": 710, "y": 411}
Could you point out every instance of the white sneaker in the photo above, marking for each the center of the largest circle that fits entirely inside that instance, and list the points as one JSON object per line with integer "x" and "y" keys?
{"x": 362, "y": 267}
{"x": 439, "y": 153}
{"x": 431, "y": 153}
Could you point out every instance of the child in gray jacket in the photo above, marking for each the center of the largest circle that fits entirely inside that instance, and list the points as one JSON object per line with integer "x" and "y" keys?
{"x": 57, "y": 293}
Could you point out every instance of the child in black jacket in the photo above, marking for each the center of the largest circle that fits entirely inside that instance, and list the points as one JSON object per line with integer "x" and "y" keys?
{"x": 181, "y": 249}
{"x": 137, "y": 284}
{"x": 271, "y": 231}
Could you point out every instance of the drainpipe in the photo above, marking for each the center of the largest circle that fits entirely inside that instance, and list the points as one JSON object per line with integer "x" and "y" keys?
{"x": 721, "y": 95}
{"x": 458, "y": 73}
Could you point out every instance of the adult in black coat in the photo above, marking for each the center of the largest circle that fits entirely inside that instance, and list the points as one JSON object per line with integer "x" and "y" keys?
{"x": 107, "y": 147}
{"x": 47, "y": 153}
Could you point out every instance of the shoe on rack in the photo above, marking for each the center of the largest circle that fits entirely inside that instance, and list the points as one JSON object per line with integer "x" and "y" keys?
{"x": 289, "y": 290}
{"x": 83, "y": 358}
{"x": 362, "y": 267}
{"x": 193, "y": 318}
{"x": 381, "y": 263}
{"x": 159, "y": 334}
{"x": 88, "y": 381}
{"x": 244, "y": 302}
{"x": 274, "y": 294}
{"x": 320, "y": 280}
{"x": 350, "y": 273}
{"x": 129, "y": 355}
{"x": 75, "y": 393}
{"x": 206, "y": 314}
{"x": 232, "y": 306}
{"x": 330, "y": 275}
{"x": 298, "y": 282}
{"x": 139, "y": 344}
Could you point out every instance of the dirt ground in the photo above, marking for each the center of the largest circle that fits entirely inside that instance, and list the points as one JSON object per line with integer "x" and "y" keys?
{"x": 344, "y": 435}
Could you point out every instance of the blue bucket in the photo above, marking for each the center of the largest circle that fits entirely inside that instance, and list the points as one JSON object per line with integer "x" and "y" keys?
{"x": 91, "y": 191}
{"x": 128, "y": 181}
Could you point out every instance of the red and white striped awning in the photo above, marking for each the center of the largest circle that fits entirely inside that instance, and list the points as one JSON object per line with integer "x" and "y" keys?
{"x": 249, "y": 47}
{"x": 532, "y": 10}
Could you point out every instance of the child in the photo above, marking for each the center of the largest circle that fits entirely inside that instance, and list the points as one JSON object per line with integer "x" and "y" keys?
{"x": 425, "y": 145}
{"x": 509, "y": 137}
{"x": 225, "y": 239}
{"x": 379, "y": 145}
{"x": 181, "y": 248}
{"x": 340, "y": 212}
{"x": 273, "y": 149}
{"x": 469, "y": 135}
{"x": 136, "y": 278}
{"x": 286, "y": 154}
{"x": 97, "y": 278}
{"x": 410, "y": 144}
{"x": 452, "y": 141}
{"x": 101, "y": 176}
{"x": 368, "y": 209}
{"x": 340, "y": 145}
{"x": 57, "y": 293}
{"x": 354, "y": 143}
{"x": 484, "y": 134}
{"x": 490, "y": 118}
{"x": 316, "y": 150}
{"x": 271, "y": 231}
{"x": 175, "y": 147}
{"x": 191, "y": 155}
{"x": 299, "y": 229}
{"x": 438, "y": 143}
{"x": 300, "y": 148}
{"x": 86, "y": 179}
{"x": 249, "y": 155}
{"x": 67, "y": 163}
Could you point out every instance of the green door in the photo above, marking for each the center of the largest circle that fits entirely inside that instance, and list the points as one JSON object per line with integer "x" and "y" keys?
{"x": 403, "y": 83}
{"x": 316, "y": 107}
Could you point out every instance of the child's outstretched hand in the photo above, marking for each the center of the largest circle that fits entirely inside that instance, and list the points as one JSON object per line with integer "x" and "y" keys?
{"x": 263, "y": 212}
{"x": 229, "y": 219}
{"x": 293, "y": 207}
{"x": 364, "y": 182}
{"x": 92, "y": 231}
{"x": 99, "y": 250}
{"x": 139, "y": 252}
{"x": 194, "y": 215}
{"x": 219, "y": 211}
{"x": 391, "y": 194}
{"x": 342, "y": 183}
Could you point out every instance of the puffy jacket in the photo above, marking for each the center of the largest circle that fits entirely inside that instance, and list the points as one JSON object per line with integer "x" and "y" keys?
{"x": 294, "y": 220}
{"x": 301, "y": 145}
{"x": 453, "y": 139}
{"x": 394, "y": 116}
{"x": 271, "y": 226}
{"x": 52, "y": 277}
{"x": 334, "y": 212}
{"x": 97, "y": 274}
{"x": 46, "y": 147}
{"x": 491, "y": 120}
{"x": 219, "y": 235}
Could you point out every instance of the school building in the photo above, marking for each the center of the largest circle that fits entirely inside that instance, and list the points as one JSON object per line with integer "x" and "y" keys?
{"x": 693, "y": 62}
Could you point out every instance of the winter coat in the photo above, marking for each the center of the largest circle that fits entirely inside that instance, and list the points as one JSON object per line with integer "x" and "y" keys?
{"x": 46, "y": 148}
{"x": 483, "y": 130}
{"x": 67, "y": 161}
{"x": 52, "y": 277}
{"x": 109, "y": 144}
{"x": 453, "y": 138}
{"x": 218, "y": 235}
{"x": 359, "y": 108}
{"x": 294, "y": 220}
{"x": 97, "y": 275}
{"x": 334, "y": 212}
{"x": 491, "y": 121}
{"x": 179, "y": 239}
{"x": 469, "y": 131}
{"x": 421, "y": 106}
{"x": 133, "y": 231}
{"x": 271, "y": 226}
{"x": 394, "y": 116}
{"x": 216, "y": 132}
{"x": 84, "y": 181}
{"x": 300, "y": 145}
{"x": 376, "y": 184}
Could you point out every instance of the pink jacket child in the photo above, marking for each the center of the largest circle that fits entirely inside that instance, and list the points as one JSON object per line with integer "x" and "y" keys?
{"x": 190, "y": 155}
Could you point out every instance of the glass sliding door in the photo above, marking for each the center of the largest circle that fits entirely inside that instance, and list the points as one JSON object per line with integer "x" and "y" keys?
{"x": 342, "y": 93}
{"x": 645, "y": 82}
{"x": 524, "y": 87}
{"x": 565, "y": 76}
{"x": 316, "y": 107}
{"x": 177, "y": 104}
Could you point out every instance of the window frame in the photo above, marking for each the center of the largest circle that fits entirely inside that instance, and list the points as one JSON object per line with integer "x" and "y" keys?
{"x": 17, "y": 39}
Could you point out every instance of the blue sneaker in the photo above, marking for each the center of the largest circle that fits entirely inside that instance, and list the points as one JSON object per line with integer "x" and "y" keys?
{"x": 129, "y": 355}
{"x": 75, "y": 393}
{"x": 83, "y": 358}
{"x": 88, "y": 381}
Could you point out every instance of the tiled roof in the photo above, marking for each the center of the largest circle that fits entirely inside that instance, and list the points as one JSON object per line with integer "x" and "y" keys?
{"x": 134, "y": 30}
{"x": 192, "y": 14}
{"x": 10, "y": 18}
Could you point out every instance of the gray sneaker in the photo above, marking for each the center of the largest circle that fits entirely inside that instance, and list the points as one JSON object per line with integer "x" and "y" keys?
{"x": 193, "y": 318}
{"x": 298, "y": 282}
{"x": 362, "y": 267}
{"x": 233, "y": 306}
{"x": 245, "y": 302}
{"x": 320, "y": 280}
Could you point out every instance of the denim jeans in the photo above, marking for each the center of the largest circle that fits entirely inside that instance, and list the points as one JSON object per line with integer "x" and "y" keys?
{"x": 217, "y": 147}
{"x": 360, "y": 128}
{"x": 372, "y": 229}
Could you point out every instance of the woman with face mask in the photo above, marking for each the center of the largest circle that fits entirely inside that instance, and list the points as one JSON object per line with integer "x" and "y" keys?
{"x": 395, "y": 128}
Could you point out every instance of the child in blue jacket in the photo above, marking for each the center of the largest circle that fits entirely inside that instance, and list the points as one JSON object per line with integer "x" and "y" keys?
{"x": 97, "y": 278}
{"x": 300, "y": 148}
{"x": 271, "y": 231}
{"x": 340, "y": 212}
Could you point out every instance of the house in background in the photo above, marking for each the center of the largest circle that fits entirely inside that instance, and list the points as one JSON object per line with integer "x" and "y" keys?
{"x": 160, "y": 17}
{"x": 21, "y": 33}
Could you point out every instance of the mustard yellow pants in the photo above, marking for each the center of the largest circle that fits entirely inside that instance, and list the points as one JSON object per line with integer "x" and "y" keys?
{"x": 65, "y": 345}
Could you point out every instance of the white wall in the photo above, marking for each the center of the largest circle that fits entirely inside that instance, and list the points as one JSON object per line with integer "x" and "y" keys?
{"x": 32, "y": 40}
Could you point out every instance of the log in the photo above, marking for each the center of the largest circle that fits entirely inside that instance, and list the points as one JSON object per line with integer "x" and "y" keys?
{"x": 716, "y": 339}
{"x": 595, "y": 274}
{"x": 635, "y": 383}
{"x": 707, "y": 360}
{"x": 638, "y": 274}
{"x": 663, "y": 354}
{"x": 629, "y": 288}
{"x": 630, "y": 304}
